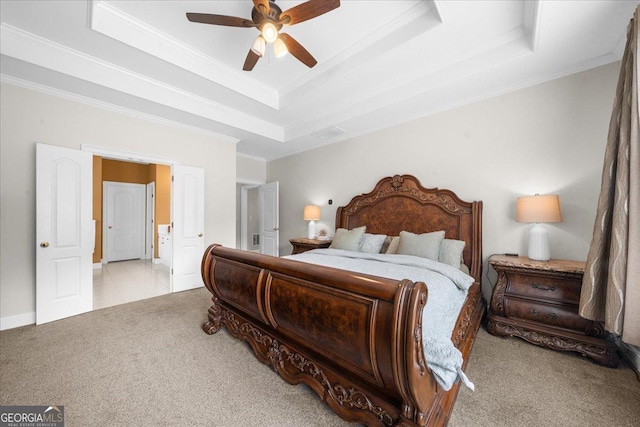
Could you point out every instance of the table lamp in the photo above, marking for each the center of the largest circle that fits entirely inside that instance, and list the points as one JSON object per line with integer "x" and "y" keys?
{"x": 311, "y": 214}
{"x": 538, "y": 209}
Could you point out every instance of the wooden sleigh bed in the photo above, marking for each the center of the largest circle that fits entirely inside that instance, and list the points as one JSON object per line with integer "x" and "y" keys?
{"x": 353, "y": 338}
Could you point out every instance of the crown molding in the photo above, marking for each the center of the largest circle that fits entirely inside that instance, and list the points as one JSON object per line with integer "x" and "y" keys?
{"x": 113, "y": 23}
{"x": 249, "y": 181}
{"x": 37, "y": 50}
{"x": 4, "y": 78}
{"x": 531, "y": 21}
{"x": 249, "y": 156}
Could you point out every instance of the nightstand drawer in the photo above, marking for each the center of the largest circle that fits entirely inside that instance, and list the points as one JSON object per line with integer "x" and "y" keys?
{"x": 546, "y": 288}
{"x": 554, "y": 315}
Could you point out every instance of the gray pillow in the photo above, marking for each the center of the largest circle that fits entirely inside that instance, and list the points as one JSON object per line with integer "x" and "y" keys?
{"x": 385, "y": 244}
{"x": 451, "y": 252}
{"x": 425, "y": 245}
{"x": 348, "y": 240}
{"x": 393, "y": 245}
{"x": 372, "y": 243}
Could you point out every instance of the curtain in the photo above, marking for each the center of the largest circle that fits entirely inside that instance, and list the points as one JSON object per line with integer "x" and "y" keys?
{"x": 611, "y": 283}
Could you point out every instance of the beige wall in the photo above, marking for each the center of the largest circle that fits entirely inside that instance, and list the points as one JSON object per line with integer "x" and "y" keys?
{"x": 250, "y": 169}
{"x": 546, "y": 139}
{"x": 28, "y": 117}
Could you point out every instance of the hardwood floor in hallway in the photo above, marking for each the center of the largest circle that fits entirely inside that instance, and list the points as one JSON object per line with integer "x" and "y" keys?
{"x": 126, "y": 281}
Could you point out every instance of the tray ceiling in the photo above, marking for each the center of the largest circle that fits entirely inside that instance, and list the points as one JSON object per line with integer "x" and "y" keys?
{"x": 380, "y": 63}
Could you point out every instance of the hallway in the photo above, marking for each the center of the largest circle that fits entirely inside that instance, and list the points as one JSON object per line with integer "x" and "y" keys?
{"x": 126, "y": 281}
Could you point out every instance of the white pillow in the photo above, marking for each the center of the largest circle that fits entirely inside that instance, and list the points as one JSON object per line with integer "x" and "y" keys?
{"x": 464, "y": 269}
{"x": 348, "y": 240}
{"x": 451, "y": 252}
{"x": 372, "y": 243}
{"x": 425, "y": 245}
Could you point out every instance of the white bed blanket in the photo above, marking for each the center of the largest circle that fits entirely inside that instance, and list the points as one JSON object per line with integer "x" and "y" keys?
{"x": 447, "y": 288}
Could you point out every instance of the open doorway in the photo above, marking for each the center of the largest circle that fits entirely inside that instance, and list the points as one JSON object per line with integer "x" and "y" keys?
{"x": 248, "y": 225}
{"x": 258, "y": 227}
{"x": 132, "y": 210}
{"x": 69, "y": 237}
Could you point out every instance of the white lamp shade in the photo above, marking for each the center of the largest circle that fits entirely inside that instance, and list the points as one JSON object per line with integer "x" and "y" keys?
{"x": 538, "y": 209}
{"x": 311, "y": 213}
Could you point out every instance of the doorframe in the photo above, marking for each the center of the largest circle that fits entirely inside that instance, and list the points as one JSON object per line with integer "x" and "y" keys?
{"x": 246, "y": 184}
{"x": 126, "y": 156}
{"x": 150, "y": 218}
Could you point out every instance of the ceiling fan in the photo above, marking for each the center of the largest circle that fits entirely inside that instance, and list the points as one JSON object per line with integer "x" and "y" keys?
{"x": 269, "y": 19}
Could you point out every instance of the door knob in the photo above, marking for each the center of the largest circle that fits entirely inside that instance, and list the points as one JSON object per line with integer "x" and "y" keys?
{"x": 110, "y": 227}
{"x": 199, "y": 234}
{"x": 44, "y": 244}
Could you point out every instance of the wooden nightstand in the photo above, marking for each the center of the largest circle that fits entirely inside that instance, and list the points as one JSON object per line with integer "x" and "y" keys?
{"x": 538, "y": 302}
{"x": 302, "y": 245}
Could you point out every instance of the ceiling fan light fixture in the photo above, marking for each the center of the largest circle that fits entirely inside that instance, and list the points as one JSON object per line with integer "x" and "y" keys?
{"x": 269, "y": 32}
{"x": 279, "y": 48}
{"x": 259, "y": 46}
{"x": 269, "y": 19}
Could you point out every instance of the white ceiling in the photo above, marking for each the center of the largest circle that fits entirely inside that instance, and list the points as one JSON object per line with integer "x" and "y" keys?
{"x": 380, "y": 63}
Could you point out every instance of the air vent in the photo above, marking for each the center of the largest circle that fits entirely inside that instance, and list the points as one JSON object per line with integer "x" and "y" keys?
{"x": 328, "y": 133}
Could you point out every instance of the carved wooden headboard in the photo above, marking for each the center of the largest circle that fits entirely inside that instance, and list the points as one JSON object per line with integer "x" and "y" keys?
{"x": 400, "y": 203}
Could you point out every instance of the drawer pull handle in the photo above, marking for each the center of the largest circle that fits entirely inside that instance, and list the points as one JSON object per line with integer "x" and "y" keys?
{"x": 543, "y": 288}
{"x": 535, "y": 312}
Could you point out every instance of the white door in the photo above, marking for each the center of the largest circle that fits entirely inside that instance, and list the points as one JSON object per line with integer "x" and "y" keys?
{"x": 64, "y": 277}
{"x": 269, "y": 218}
{"x": 124, "y": 207}
{"x": 187, "y": 227}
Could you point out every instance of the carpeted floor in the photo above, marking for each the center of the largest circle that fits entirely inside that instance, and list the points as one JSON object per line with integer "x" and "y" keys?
{"x": 148, "y": 363}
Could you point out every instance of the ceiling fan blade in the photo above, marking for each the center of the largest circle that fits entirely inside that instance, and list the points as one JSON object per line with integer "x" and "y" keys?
{"x": 308, "y": 10}
{"x": 265, "y": 3}
{"x": 250, "y": 62}
{"x": 229, "y": 21}
{"x": 297, "y": 50}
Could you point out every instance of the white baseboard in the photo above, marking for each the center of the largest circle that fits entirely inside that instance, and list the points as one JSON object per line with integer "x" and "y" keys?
{"x": 157, "y": 260}
{"x": 10, "y": 322}
{"x": 97, "y": 265}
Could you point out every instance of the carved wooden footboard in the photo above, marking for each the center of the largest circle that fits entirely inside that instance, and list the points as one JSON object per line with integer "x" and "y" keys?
{"x": 355, "y": 339}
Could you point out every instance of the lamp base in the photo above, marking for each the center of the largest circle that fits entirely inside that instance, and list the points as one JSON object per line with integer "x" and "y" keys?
{"x": 539, "y": 243}
{"x": 312, "y": 230}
